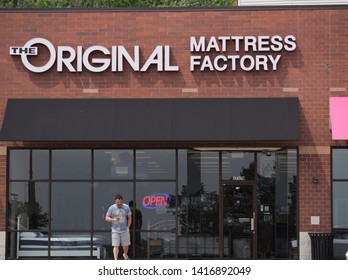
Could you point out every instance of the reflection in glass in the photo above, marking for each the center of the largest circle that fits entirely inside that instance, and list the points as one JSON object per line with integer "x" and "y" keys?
{"x": 238, "y": 221}
{"x": 340, "y": 164}
{"x": 61, "y": 245}
{"x": 276, "y": 196}
{"x": 157, "y": 245}
{"x": 238, "y": 166}
{"x": 340, "y": 205}
{"x": 65, "y": 245}
{"x": 40, "y": 159}
{"x": 156, "y": 201}
{"x": 24, "y": 166}
{"x": 340, "y": 244}
{"x": 71, "y": 164}
{"x": 30, "y": 198}
{"x": 198, "y": 203}
{"x": 71, "y": 245}
{"x": 136, "y": 227}
{"x": 74, "y": 201}
{"x": 340, "y": 202}
{"x": 104, "y": 240}
{"x": 71, "y": 206}
{"x": 155, "y": 164}
{"x": 19, "y": 164}
{"x": 117, "y": 164}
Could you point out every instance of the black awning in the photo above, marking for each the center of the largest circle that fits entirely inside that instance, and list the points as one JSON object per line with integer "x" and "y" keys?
{"x": 198, "y": 119}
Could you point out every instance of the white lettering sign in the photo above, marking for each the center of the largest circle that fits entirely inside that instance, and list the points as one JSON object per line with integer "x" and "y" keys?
{"x": 228, "y": 47}
{"x": 248, "y": 53}
{"x": 66, "y": 56}
{"x": 238, "y": 178}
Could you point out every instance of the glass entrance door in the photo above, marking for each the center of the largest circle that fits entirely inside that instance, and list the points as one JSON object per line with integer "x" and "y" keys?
{"x": 238, "y": 224}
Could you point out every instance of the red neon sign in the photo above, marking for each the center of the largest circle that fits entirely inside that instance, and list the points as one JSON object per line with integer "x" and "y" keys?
{"x": 156, "y": 200}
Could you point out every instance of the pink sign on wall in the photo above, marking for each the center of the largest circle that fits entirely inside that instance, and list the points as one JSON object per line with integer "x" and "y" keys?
{"x": 339, "y": 117}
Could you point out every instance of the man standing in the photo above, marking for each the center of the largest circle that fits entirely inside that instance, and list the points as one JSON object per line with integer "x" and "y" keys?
{"x": 120, "y": 215}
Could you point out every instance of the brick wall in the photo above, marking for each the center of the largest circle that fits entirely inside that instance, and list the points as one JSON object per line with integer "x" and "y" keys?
{"x": 313, "y": 72}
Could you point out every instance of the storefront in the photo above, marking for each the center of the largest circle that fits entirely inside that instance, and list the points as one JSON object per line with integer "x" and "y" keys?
{"x": 219, "y": 137}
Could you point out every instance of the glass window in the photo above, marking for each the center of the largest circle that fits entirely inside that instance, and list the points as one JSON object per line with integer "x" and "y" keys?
{"x": 203, "y": 170}
{"x": 103, "y": 239}
{"x": 156, "y": 201}
{"x": 155, "y": 164}
{"x": 19, "y": 161}
{"x": 238, "y": 166}
{"x": 182, "y": 165}
{"x": 104, "y": 196}
{"x": 115, "y": 164}
{"x": 71, "y": 206}
{"x": 340, "y": 204}
{"x": 157, "y": 245}
{"x": 340, "y": 164}
{"x": 198, "y": 203}
{"x": 20, "y": 164}
{"x": 40, "y": 164}
{"x": 71, "y": 244}
{"x": 276, "y": 196}
{"x": 71, "y": 164}
{"x": 72, "y": 203}
{"x": 340, "y": 201}
{"x": 182, "y": 192}
{"x": 30, "y": 198}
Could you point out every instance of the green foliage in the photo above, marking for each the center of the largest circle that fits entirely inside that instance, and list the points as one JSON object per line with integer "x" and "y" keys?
{"x": 113, "y": 3}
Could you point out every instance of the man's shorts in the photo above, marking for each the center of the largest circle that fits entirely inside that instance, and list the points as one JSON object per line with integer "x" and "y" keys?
{"x": 120, "y": 239}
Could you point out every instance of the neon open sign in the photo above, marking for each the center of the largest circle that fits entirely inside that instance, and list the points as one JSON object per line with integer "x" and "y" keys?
{"x": 156, "y": 200}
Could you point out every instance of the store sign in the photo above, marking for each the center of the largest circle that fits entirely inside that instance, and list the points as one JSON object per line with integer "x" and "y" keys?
{"x": 219, "y": 53}
{"x": 227, "y": 49}
{"x": 156, "y": 200}
{"x": 238, "y": 178}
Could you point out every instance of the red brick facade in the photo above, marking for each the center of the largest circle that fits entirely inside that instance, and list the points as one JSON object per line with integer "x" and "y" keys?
{"x": 313, "y": 72}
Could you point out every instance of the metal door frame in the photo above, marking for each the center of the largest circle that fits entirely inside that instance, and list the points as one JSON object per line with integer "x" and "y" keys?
{"x": 221, "y": 211}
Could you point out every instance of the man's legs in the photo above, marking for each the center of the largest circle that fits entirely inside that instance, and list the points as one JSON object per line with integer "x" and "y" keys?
{"x": 116, "y": 240}
{"x": 125, "y": 252}
{"x": 116, "y": 250}
{"x": 125, "y": 242}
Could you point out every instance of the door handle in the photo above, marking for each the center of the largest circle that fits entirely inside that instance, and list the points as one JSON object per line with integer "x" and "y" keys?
{"x": 252, "y": 222}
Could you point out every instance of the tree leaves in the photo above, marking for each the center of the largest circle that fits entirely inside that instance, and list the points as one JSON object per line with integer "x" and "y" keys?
{"x": 113, "y": 3}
